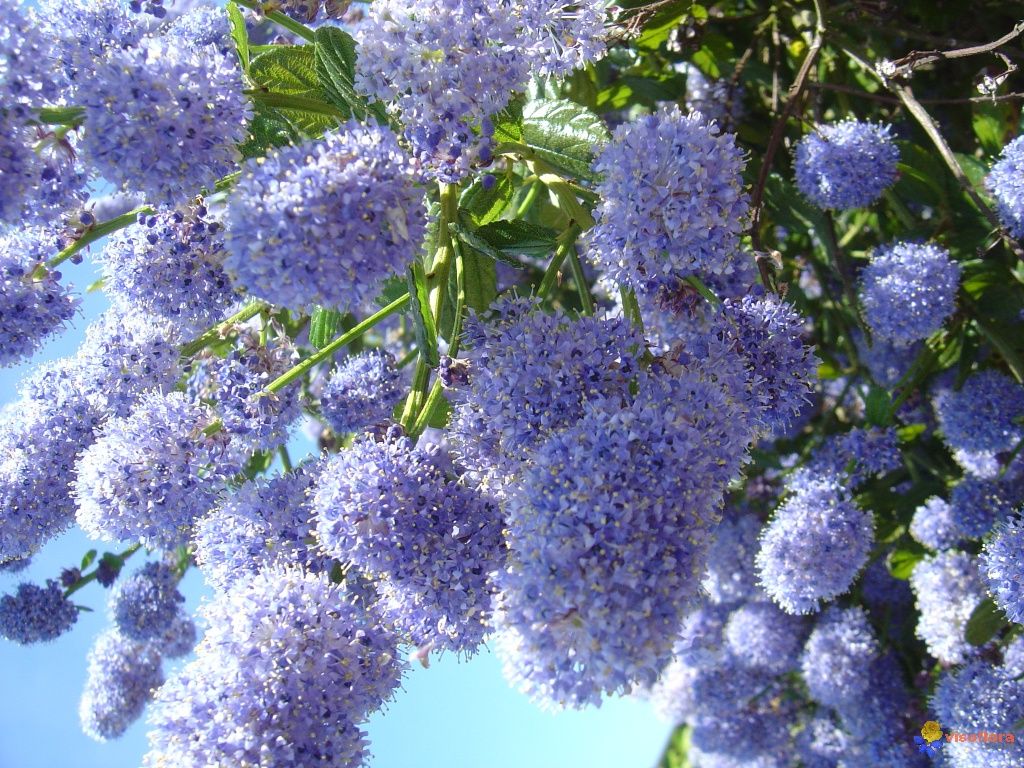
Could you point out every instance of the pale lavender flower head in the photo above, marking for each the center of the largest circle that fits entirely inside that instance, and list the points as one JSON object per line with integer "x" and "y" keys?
{"x": 123, "y": 675}
{"x": 35, "y": 614}
{"x": 1006, "y": 183}
{"x": 979, "y": 418}
{"x": 1002, "y": 564}
{"x": 837, "y": 657}
{"x": 846, "y": 165}
{"x": 145, "y": 604}
{"x": 760, "y": 636}
{"x": 934, "y": 526}
{"x": 947, "y": 588}
{"x": 361, "y": 392}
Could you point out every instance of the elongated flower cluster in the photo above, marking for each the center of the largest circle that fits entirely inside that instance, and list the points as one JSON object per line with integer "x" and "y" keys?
{"x": 1003, "y": 566}
{"x": 171, "y": 265}
{"x": 846, "y": 165}
{"x": 947, "y": 588}
{"x": 263, "y": 523}
{"x": 123, "y": 675}
{"x": 265, "y": 690}
{"x": 150, "y": 475}
{"x": 672, "y": 202}
{"x": 908, "y": 291}
{"x": 163, "y": 119}
{"x": 26, "y": 75}
{"x": 1004, "y": 182}
{"x": 145, "y": 604}
{"x": 433, "y": 544}
{"x": 361, "y": 392}
{"x": 35, "y": 614}
{"x": 289, "y": 211}
{"x": 33, "y": 302}
{"x": 814, "y": 546}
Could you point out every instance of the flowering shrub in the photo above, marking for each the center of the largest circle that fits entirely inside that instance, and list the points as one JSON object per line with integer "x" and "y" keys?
{"x": 675, "y": 351}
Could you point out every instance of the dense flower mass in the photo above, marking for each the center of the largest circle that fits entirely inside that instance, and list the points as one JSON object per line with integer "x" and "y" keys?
{"x": 33, "y": 302}
{"x": 289, "y": 211}
{"x": 1006, "y": 185}
{"x": 84, "y": 30}
{"x": 150, "y": 475}
{"x": 837, "y": 656}
{"x": 35, "y": 614}
{"x": 673, "y": 204}
{"x": 908, "y": 291}
{"x": 433, "y": 544}
{"x": 264, "y": 690}
{"x": 846, "y": 165}
{"x": 1003, "y": 566}
{"x": 123, "y": 674}
{"x": 933, "y": 525}
{"x": 145, "y": 604}
{"x": 171, "y": 265}
{"x": 947, "y": 588}
{"x": 814, "y": 546}
{"x": 361, "y": 392}
{"x": 163, "y": 119}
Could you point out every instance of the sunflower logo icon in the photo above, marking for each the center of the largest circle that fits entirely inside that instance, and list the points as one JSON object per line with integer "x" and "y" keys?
{"x": 928, "y": 742}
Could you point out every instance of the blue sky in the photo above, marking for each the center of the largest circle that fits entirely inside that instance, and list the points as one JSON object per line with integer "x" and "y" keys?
{"x": 455, "y": 714}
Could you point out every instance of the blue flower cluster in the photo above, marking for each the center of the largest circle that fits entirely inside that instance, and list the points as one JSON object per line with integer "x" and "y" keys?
{"x": 1004, "y": 182}
{"x": 289, "y": 210}
{"x": 145, "y": 604}
{"x": 846, "y": 165}
{"x": 672, "y": 202}
{"x": 947, "y": 588}
{"x": 35, "y": 614}
{"x": 1003, "y": 566}
{"x": 908, "y": 291}
{"x": 361, "y": 392}
{"x": 122, "y": 676}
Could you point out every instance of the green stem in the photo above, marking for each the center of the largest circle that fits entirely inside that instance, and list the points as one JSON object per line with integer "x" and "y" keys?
{"x": 346, "y": 338}
{"x": 531, "y": 196}
{"x": 631, "y": 308}
{"x": 586, "y": 301}
{"x": 100, "y": 230}
{"x": 67, "y": 116}
{"x": 286, "y": 459}
{"x": 291, "y": 101}
{"x": 91, "y": 576}
{"x": 566, "y": 245}
{"x": 280, "y": 19}
{"x": 417, "y": 394}
{"x": 250, "y": 310}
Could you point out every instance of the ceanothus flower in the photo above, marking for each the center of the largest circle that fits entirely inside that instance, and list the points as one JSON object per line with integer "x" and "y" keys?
{"x": 164, "y": 118}
{"x": 26, "y": 60}
{"x": 289, "y": 211}
{"x": 845, "y": 165}
{"x": 856, "y": 456}
{"x": 1013, "y": 657}
{"x": 361, "y": 392}
{"x": 976, "y": 505}
{"x": 433, "y": 544}
{"x": 672, "y": 202}
{"x": 444, "y": 67}
{"x": 41, "y": 436}
{"x": 123, "y": 675}
{"x": 1002, "y": 562}
{"x": 234, "y": 386}
{"x": 150, "y": 475}
{"x": 35, "y": 614}
{"x": 730, "y": 576}
{"x": 558, "y": 37}
{"x": 202, "y": 26}
{"x": 836, "y": 658}
{"x": 947, "y": 588}
{"x": 814, "y": 546}
{"x": 125, "y": 354}
{"x": 145, "y": 604}
{"x": 171, "y": 265}
{"x": 268, "y": 689}
{"x": 607, "y": 542}
{"x": 977, "y": 698}
{"x": 760, "y": 636}
{"x": 979, "y": 417}
{"x": 908, "y": 291}
{"x": 264, "y": 522}
{"x": 672, "y": 695}
{"x": 1006, "y": 183}
{"x": 934, "y": 526}
{"x": 83, "y": 31}
{"x": 886, "y": 361}
{"x": 530, "y": 375}
{"x": 34, "y": 304}
{"x": 179, "y": 638}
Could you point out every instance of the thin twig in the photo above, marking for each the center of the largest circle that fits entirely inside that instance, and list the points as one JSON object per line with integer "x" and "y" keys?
{"x": 917, "y": 59}
{"x": 881, "y": 97}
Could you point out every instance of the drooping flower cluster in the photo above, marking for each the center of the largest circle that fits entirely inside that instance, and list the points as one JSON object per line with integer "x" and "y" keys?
{"x": 846, "y": 165}
{"x": 163, "y": 118}
{"x": 672, "y": 202}
{"x": 265, "y": 690}
{"x": 33, "y": 302}
{"x": 145, "y": 604}
{"x": 1003, "y": 565}
{"x": 908, "y": 291}
{"x": 289, "y": 211}
{"x": 431, "y": 544}
{"x": 35, "y": 614}
{"x": 123, "y": 675}
{"x": 361, "y": 392}
{"x": 814, "y": 547}
{"x": 171, "y": 265}
{"x": 150, "y": 475}
{"x": 1006, "y": 185}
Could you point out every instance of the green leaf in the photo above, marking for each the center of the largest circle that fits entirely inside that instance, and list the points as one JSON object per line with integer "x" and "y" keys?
{"x": 519, "y": 237}
{"x": 269, "y": 128}
{"x": 473, "y": 240}
{"x": 87, "y": 559}
{"x": 508, "y": 124}
{"x": 290, "y": 70}
{"x": 323, "y": 326}
{"x": 258, "y": 464}
{"x": 984, "y": 623}
{"x": 423, "y": 320}
{"x": 480, "y": 279}
{"x": 438, "y": 416}
{"x": 486, "y": 205}
{"x": 239, "y": 34}
{"x": 902, "y": 561}
{"x": 335, "y": 62}
{"x": 395, "y": 287}
{"x": 989, "y": 123}
{"x": 878, "y": 407}
{"x": 661, "y": 23}
{"x": 563, "y": 134}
